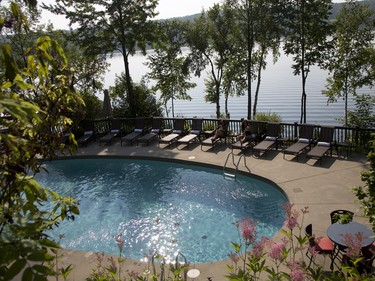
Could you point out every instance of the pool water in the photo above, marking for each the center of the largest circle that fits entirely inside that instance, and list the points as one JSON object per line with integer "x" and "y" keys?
{"x": 158, "y": 205}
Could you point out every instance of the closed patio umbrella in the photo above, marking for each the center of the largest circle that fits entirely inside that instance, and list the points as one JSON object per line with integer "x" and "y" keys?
{"x": 107, "y": 108}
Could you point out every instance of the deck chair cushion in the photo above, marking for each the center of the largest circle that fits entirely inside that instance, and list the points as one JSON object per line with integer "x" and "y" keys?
{"x": 195, "y": 132}
{"x": 269, "y": 138}
{"x": 137, "y": 130}
{"x": 88, "y": 133}
{"x": 302, "y": 140}
{"x": 155, "y": 131}
{"x": 323, "y": 143}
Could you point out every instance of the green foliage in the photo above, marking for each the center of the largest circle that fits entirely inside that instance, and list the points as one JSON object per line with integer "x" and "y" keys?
{"x": 351, "y": 61}
{"x": 257, "y": 30}
{"x": 168, "y": 66}
{"x": 210, "y": 40}
{"x": 268, "y": 117}
{"x": 105, "y": 27}
{"x": 146, "y": 104}
{"x": 256, "y": 258}
{"x": 363, "y": 116}
{"x": 307, "y": 30}
{"x": 366, "y": 193}
{"x": 93, "y": 106}
{"x": 36, "y": 97}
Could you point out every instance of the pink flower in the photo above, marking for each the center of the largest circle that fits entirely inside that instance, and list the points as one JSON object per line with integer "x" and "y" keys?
{"x": 120, "y": 242}
{"x": 296, "y": 272}
{"x": 276, "y": 252}
{"x": 354, "y": 244}
{"x": 248, "y": 231}
{"x": 291, "y": 216}
{"x": 313, "y": 251}
{"x": 258, "y": 248}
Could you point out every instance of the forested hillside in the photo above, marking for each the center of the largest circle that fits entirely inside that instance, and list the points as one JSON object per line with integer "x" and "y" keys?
{"x": 335, "y": 10}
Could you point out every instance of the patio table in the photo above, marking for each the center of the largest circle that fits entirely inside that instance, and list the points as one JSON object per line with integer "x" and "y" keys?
{"x": 337, "y": 231}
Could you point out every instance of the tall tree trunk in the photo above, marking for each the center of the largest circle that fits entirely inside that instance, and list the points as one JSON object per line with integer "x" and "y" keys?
{"x": 129, "y": 86}
{"x": 263, "y": 50}
{"x": 346, "y": 100}
{"x": 217, "y": 101}
{"x": 173, "y": 107}
{"x": 172, "y": 102}
{"x": 302, "y": 65}
{"x": 250, "y": 45}
{"x": 226, "y": 106}
{"x": 303, "y": 101}
{"x": 249, "y": 85}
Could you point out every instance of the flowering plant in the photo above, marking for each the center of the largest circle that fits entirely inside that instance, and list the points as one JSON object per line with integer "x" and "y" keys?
{"x": 260, "y": 258}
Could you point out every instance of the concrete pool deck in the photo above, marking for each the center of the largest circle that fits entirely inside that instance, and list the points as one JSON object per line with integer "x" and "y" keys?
{"x": 322, "y": 187}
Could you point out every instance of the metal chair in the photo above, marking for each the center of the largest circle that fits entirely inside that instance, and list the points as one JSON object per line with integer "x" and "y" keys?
{"x": 323, "y": 245}
{"x": 341, "y": 216}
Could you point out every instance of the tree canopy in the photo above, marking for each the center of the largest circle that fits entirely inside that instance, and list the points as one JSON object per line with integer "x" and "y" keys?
{"x": 351, "y": 60}
{"x": 108, "y": 26}
{"x": 37, "y": 98}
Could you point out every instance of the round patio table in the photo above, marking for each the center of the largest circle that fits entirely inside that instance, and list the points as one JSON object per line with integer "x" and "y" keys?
{"x": 336, "y": 232}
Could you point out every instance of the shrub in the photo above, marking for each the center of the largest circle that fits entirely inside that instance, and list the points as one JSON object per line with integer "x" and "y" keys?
{"x": 268, "y": 117}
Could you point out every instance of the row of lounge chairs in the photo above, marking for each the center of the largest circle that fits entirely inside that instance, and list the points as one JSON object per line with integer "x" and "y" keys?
{"x": 314, "y": 148}
{"x": 260, "y": 142}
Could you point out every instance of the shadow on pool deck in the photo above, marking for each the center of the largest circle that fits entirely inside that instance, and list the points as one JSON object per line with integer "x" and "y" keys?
{"x": 322, "y": 187}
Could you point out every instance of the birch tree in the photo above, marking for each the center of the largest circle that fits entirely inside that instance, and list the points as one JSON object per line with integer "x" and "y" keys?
{"x": 307, "y": 31}
{"x": 351, "y": 62}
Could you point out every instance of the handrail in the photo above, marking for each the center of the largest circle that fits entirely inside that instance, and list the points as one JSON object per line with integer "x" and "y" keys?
{"x": 235, "y": 164}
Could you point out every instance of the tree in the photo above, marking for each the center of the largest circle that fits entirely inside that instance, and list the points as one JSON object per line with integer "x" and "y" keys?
{"x": 168, "y": 66}
{"x": 366, "y": 193}
{"x": 307, "y": 30}
{"x": 210, "y": 40}
{"x": 353, "y": 55}
{"x": 89, "y": 73}
{"x": 145, "y": 102}
{"x": 107, "y": 26}
{"x": 258, "y": 30}
{"x": 36, "y": 99}
{"x": 89, "y": 69}
{"x": 363, "y": 116}
{"x": 269, "y": 32}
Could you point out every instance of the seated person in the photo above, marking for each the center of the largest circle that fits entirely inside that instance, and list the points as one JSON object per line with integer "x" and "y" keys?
{"x": 246, "y": 132}
{"x": 221, "y": 131}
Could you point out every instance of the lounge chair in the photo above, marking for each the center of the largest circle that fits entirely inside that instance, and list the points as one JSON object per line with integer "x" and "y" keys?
{"x": 177, "y": 132}
{"x": 194, "y": 135}
{"x": 324, "y": 144}
{"x": 304, "y": 141}
{"x": 249, "y": 137}
{"x": 138, "y": 130}
{"x": 88, "y": 133}
{"x": 154, "y": 132}
{"x": 219, "y": 134}
{"x": 114, "y": 132}
{"x": 271, "y": 139}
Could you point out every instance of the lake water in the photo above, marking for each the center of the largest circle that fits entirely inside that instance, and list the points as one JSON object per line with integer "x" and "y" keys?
{"x": 280, "y": 93}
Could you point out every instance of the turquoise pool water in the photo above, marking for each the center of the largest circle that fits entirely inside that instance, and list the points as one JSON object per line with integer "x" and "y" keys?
{"x": 160, "y": 205}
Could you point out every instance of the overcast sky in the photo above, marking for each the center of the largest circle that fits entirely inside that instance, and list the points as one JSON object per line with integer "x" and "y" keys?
{"x": 166, "y": 9}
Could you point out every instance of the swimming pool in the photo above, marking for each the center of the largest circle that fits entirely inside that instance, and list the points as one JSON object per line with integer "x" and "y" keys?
{"x": 160, "y": 205}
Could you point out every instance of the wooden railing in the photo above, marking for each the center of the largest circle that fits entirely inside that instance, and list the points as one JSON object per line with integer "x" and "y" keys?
{"x": 359, "y": 138}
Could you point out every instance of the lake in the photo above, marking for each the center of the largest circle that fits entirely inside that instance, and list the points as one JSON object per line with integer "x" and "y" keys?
{"x": 280, "y": 93}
